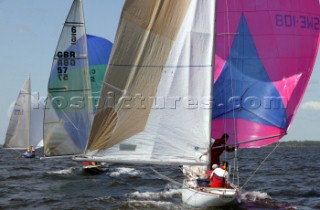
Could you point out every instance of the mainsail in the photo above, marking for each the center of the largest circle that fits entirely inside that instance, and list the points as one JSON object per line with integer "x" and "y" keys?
{"x": 152, "y": 108}
{"x": 68, "y": 106}
{"x": 264, "y": 57}
{"x": 21, "y": 132}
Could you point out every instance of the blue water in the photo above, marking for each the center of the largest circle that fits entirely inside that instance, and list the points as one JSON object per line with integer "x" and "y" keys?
{"x": 288, "y": 179}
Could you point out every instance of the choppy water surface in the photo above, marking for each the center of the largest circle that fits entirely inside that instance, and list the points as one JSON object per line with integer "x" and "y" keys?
{"x": 289, "y": 179}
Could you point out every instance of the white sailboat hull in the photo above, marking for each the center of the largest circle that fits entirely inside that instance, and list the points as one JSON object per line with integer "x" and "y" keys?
{"x": 209, "y": 197}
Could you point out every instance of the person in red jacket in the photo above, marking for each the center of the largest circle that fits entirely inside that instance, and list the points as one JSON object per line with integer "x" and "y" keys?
{"x": 218, "y": 147}
{"x": 220, "y": 176}
{"x": 209, "y": 172}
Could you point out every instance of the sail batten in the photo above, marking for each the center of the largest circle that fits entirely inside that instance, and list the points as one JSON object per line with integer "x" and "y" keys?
{"x": 155, "y": 66}
{"x": 73, "y": 23}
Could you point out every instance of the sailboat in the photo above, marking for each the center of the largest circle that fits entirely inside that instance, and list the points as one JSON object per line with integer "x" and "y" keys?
{"x": 264, "y": 56}
{"x": 25, "y": 125}
{"x": 73, "y": 86}
{"x": 155, "y": 105}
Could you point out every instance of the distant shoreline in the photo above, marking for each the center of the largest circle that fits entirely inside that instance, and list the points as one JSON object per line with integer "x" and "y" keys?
{"x": 296, "y": 143}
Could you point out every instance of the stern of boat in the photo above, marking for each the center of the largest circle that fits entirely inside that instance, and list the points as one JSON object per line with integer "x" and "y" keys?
{"x": 209, "y": 197}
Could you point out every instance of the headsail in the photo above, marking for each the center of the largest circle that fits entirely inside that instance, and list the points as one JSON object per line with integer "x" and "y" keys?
{"x": 162, "y": 52}
{"x": 18, "y": 132}
{"x": 75, "y": 122}
{"x": 264, "y": 57}
{"x": 21, "y": 133}
{"x": 67, "y": 114}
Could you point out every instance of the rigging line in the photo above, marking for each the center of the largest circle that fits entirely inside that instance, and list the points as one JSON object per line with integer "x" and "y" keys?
{"x": 235, "y": 162}
{"x": 264, "y": 118}
{"x": 68, "y": 118}
{"x": 73, "y": 124}
{"x": 235, "y": 168}
{"x": 246, "y": 182}
{"x": 56, "y": 157}
{"x": 226, "y": 111}
{"x": 165, "y": 177}
{"x": 227, "y": 33}
{"x": 115, "y": 88}
{"x": 249, "y": 141}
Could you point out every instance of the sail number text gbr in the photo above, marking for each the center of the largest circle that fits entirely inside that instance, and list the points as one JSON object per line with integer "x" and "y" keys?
{"x": 67, "y": 58}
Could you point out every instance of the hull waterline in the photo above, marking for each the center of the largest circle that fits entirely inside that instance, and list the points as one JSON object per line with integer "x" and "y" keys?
{"x": 209, "y": 197}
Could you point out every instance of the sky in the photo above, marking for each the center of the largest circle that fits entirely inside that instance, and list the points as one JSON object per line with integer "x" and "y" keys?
{"x": 29, "y": 34}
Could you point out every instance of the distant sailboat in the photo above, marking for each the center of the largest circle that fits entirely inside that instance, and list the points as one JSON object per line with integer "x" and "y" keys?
{"x": 69, "y": 107}
{"x": 160, "y": 74}
{"x": 25, "y": 126}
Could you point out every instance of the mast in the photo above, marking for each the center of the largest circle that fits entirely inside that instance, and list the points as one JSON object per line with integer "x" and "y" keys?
{"x": 212, "y": 83}
{"x": 29, "y": 108}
